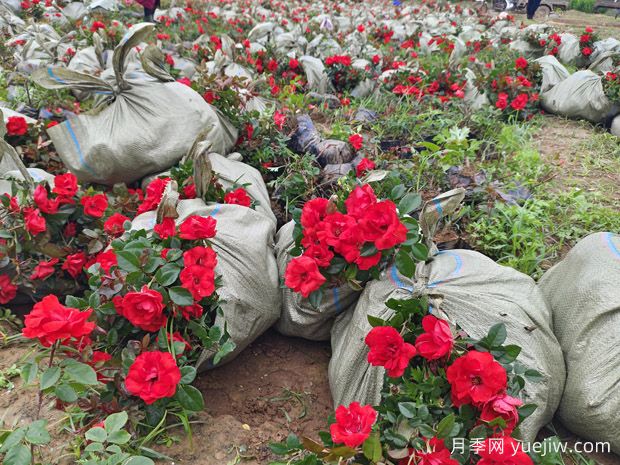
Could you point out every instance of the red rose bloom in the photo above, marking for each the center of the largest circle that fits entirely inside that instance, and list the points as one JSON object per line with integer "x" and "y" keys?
{"x": 475, "y": 378}
{"x": 356, "y": 141}
{"x": 96, "y": 26}
{"x": 503, "y": 406}
{"x": 353, "y": 425}
{"x": 45, "y": 204}
{"x": 189, "y": 191}
{"x": 34, "y": 222}
{"x": 436, "y": 341}
{"x": 519, "y": 102}
{"x": 502, "y": 101}
{"x": 320, "y": 254}
{"x": 238, "y": 197}
{"x": 154, "y": 191}
{"x": 166, "y": 228}
{"x": 95, "y": 205}
{"x": 107, "y": 260}
{"x": 587, "y": 51}
{"x": 70, "y": 230}
{"x": 507, "y": 452}
{"x": 50, "y": 321}
{"x": 74, "y": 263}
{"x": 197, "y": 227}
{"x": 144, "y": 309}
{"x": 153, "y": 376}
{"x": 199, "y": 280}
{"x": 302, "y": 275}
{"x": 65, "y": 185}
{"x": 313, "y": 212}
{"x": 365, "y": 263}
{"x": 520, "y": 63}
{"x": 8, "y": 290}
{"x": 364, "y": 166}
{"x": 114, "y": 225}
{"x": 16, "y": 126}
{"x": 359, "y": 200}
{"x": 202, "y": 256}
{"x": 436, "y": 454}
{"x": 382, "y": 226}
{"x": 191, "y": 311}
{"x": 44, "y": 269}
{"x": 389, "y": 350}
{"x": 337, "y": 231}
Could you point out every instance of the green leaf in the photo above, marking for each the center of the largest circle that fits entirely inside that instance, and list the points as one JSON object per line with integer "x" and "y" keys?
{"x": 96, "y": 434}
{"x": 190, "y": 398}
{"x": 533, "y": 376}
{"x": 444, "y": 428}
{"x": 405, "y": 264}
{"x": 14, "y": 438}
{"x": 496, "y": 336}
{"x": 37, "y": 433}
{"x": 181, "y": 296}
{"x": 49, "y": 378}
{"x": 81, "y": 373}
{"x": 65, "y": 393}
{"x": 409, "y": 203}
{"x": 119, "y": 437}
{"x": 419, "y": 252}
{"x": 279, "y": 448}
{"x": 397, "y": 192}
{"x": 407, "y": 409}
{"x": 376, "y": 321}
{"x": 29, "y": 373}
{"x": 226, "y": 348}
{"x": 188, "y": 374}
{"x": 94, "y": 447}
{"x": 372, "y": 448}
{"x": 127, "y": 261}
{"x": 139, "y": 460}
{"x": 18, "y": 455}
{"x": 526, "y": 410}
{"x": 167, "y": 274}
{"x": 115, "y": 422}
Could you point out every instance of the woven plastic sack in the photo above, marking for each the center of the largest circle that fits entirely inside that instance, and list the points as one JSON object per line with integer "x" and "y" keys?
{"x": 299, "y": 318}
{"x": 579, "y": 96}
{"x": 469, "y": 290}
{"x": 141, "y": 127}
{"x": 583, "y": 292}
{"x": 553, "y": 72}
{"x": 569, "y": 50}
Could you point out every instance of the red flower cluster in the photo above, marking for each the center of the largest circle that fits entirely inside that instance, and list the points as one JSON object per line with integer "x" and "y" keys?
{"x": 505, "y": 452}
{"x": 154, "y": 191}
{"x": 326, "y": 233}
{"x": 50, "y": 321}
{"x": 16, "y": 126}
{"x": 343, "y": 60}
{"x": 8, "y": 290}
{"x": 198, "y": 276}
{"x": 389, "y": 350}
{"x": 238, "y": 197}
{"x": 153, "y": 376}
{"x": 353, "y": 425}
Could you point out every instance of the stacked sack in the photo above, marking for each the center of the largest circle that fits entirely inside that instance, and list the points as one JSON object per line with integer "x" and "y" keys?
{"x": 140, "y": 126}
{"x": 244, "y": 242}
{"x": 469, "y": 290}
{"x": 583, "y": 293}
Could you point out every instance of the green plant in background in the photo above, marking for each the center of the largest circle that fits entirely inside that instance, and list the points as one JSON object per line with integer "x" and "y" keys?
{"x": 18, "y": 446}
{"x": 587, "y": 6}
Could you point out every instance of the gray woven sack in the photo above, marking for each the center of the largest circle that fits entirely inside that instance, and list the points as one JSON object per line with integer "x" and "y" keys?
{"x": 583, "y": 292}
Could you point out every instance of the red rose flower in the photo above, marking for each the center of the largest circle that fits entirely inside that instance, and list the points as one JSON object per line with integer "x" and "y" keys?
{"x": 502, "y": 451}
{"x": 16, "y": 126}
{"x": 520, "y": 63}
{"x": 34, "y": 222}
{"x": 185, "y": 81}
{"x": 436, "y": 341}
{"x": 279, "y": 119}
{"x": 176, "y": 337}
{"x": 74, "y": 263}
{"x": 45, "y": 204}
{"x": 356, "y": 141}
{"x": 166, "y": 228}
{"x": 154, "y": 191}
{"x": 98, "y": 361}
{"x": 519, "y": 102}
{"x": 107, "y": 260}
{"x": 95, "y": 205}
{"x": 320, "y": 254}
{"x": 189, "y": 191}
{"x": 503, "y": 406}
{"x": 364, "y": 166}
{"x": 50, "y": 321}
{"x": 238, "y": 197}
{"x": 199, "y": 280}
{"x": 44, "y": 269}
{"x": 153, "y": 376}
{"x": 475, "y": 378}
{"x": 144, "y": 309}
{"x": 313, "y": 212}
{"x": 436, "y": 454}
{"x": 96, "y": 26}
{"x": 389, "y": 350}
{"x": 502, "y": 101}
{"x": 191, "y": 311}
{"x": 338, "y": 230}
{"x": 197, "y": 227}
{"x": 381, "y": 225}
{"x": 587, "y": 51}
{"x": 293, "y": 63}
{"x": 8, "y": 290}
{"x": 65, "y": 185}
{"x": 114, "y": 226}
{"x": 202, "y": 256}
{"x": 353, "y": 425}
{"x": 70, "y": 230}
{"x": 359, "y": 200}
{"x": 302, "y": 275}
{"x": 365, "y": 263}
